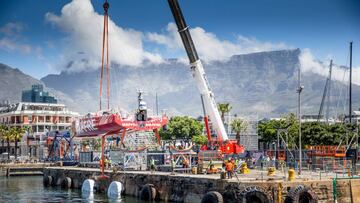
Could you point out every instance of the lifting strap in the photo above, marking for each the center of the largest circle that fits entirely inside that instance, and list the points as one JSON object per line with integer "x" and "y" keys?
{"x": 105, "y": 44}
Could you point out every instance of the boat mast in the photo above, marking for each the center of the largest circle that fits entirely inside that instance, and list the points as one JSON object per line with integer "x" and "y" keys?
{"x": 350, "y": 88}
{"x": 328, "y": 94}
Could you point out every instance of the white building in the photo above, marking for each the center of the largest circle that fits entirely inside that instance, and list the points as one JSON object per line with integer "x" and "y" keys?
{"x": 41, "y": 117}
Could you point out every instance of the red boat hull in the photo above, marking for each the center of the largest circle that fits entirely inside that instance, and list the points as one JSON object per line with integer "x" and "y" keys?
{"x": 113, "y": 124}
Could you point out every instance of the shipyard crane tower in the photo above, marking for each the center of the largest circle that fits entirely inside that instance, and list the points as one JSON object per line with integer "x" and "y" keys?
{"x": 227, "y": 146}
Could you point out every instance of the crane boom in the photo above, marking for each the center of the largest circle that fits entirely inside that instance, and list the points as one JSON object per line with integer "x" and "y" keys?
{"x": 198, "y": 71}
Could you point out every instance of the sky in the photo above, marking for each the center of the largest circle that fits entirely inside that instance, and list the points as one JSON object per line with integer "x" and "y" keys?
{"x": 42, "y": 37}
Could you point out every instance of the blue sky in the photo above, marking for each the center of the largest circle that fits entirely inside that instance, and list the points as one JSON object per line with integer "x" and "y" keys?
{"x": 35, "y": 36}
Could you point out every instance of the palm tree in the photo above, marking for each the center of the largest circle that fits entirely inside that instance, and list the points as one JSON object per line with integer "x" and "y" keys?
{"x": 18, "y": 133}
{"x": 2, "y": 136}
{"x": 238, "y": 125}
{"x": 8, "y": 136}
{"x": 224, "y": 108}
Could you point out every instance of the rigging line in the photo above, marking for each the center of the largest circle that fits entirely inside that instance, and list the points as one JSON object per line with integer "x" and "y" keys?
{"x": 105, "y": 42}
{"x": 107, "y": 61}
{"x": 102, "y": 63}
{"x": 102, "y": 59}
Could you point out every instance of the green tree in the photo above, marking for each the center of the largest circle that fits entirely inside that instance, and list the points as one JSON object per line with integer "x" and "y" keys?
{"x": 267, "y": 129}
{"x": 3, "y": 129}
{"x": 239, "y": 125}
{"x": 8, "y": 137}
{"x": 199, "y": 139}
{"x": 313, "y": 133}
{"x": 182, "y": 127}
{"x": 224, "y": 108}
{"x": 18, "y": 133}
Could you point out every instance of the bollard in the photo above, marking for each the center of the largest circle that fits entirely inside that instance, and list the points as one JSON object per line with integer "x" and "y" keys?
{"x": 291, "y": 174}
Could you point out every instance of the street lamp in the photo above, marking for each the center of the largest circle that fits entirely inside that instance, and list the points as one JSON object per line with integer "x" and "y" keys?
{"x": 299, "y": 90}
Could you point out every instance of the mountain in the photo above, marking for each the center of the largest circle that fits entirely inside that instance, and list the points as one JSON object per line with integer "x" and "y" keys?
{"x": 257, "y": 85}
{"x": 13, "y": 82}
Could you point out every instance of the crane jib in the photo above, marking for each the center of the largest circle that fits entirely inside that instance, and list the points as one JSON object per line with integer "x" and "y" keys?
{"x": 198, "y": 71}
{"x": 183, "y": 31}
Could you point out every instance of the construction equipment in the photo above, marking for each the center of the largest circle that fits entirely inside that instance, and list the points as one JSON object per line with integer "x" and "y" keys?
{"x": 327, "y": 151}
{"x": 225, "y": 145}
{"x": 244, "y": 169}
{"x": 209, "y": 161}
{"x": 109, "y": 122}
{"x": 60, "y": 145}
{"x": 271, "y": 171}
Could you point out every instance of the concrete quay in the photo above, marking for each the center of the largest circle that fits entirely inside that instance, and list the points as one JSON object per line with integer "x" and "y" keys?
{"x": 253, "y": 187}
{"x": 28, "y": 169}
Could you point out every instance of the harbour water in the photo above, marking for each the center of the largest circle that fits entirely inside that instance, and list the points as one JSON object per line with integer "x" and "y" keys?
{"x": 30, "y": 189}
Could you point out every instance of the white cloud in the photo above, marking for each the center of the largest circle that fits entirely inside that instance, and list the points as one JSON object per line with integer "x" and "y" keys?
{"x": 11, "y": 39}
{"x": 209, "y": 46}
{"x": 85, "y": 27}
{"x": 310, "y": 64}
{"x": 11, "y": 45}
{"x": 11, "y": 28}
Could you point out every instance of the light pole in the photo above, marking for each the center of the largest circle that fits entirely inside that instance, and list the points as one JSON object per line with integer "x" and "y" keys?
{"x": 299, "y": 90}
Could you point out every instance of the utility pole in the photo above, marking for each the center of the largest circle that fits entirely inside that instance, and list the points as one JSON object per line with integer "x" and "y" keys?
{"x": 299, "y": 90}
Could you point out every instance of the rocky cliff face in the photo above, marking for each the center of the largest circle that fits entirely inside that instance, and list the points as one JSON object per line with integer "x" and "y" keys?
{"x": 13, "y": 82}
{"x": 262, "y": 84}
{"x": 258, "y": 84}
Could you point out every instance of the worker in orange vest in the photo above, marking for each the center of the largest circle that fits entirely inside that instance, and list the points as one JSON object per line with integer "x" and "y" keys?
{"x": 229, "y": 167}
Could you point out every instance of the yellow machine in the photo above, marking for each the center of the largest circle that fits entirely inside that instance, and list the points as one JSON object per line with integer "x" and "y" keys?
{"x": 271, "y": 171}
{"x": 244, "y": 169}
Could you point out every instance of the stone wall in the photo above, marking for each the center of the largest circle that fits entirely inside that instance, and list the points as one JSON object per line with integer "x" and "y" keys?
{"x": 191, "y": 188}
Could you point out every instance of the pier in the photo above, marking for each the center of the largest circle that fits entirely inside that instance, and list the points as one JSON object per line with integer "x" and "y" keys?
{"x": 183, "y": 187}
{"x": 22, "y": 169}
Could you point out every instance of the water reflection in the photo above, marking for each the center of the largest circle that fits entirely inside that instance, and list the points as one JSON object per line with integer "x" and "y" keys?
{"x": 31, "y": 189}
